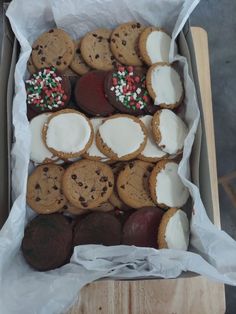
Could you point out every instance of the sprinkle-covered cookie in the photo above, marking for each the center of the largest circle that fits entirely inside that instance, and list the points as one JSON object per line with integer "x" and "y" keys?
{"x": 87, "y": 184}
{"x": 48, "y": 91}
{"x": 53, "y": 48}
{"x": 126, "y": 90}
{"x": 121, "y": 137}
{"x": 165, "y": 85}
{"x": 78, "y": 64}
{"x": 124, "y": 43}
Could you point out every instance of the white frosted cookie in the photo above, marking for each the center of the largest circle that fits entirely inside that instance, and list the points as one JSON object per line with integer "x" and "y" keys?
{"x": 68, "y": 133}
{"x": 152, "y": 152}
{"x": 165, "y": 85}
{"x": 121, "y": 137}
{"x": 166, "y": 187}
{"x": 154, "y": 45}
{"x": 39, "y": 153}
{"x": 93, "y": 153}
{"x": 169, "y": 131}
{"x": 173, "y": 232}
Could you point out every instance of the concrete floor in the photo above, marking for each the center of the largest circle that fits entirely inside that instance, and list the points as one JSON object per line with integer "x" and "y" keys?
{"x": 218, "y": 18}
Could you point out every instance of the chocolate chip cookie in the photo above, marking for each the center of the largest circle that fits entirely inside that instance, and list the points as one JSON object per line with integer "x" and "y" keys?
{"x": 78, "y": 64}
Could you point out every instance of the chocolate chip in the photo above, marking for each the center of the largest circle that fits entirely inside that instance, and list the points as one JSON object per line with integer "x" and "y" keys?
{"x": 84, "y": 204}
{"x": 103, "y": 179}
{"x": 74, "y": 176}
{"x": 131, "y": 165}
{"x": 124, "y": 42}
{"x": 112, "y": 57}
{"x": 43, "y": 59}
{"x": 122, "y": 187}
{"x": 120, "y": 55}
{"x": 86, "y": 187}
{"x": 65, "y": 62}
{"x": 38, "y": 199}
{"x": 80, "y": 184}
{"x": 45, "y": 169}
{"x": 51, "y": 31}
{"x": 103, "y": 193}
{"x": 138, "y": 25}
{"x": 96, "y": 56}
{"x": 113, "y": 40}
{"x": 104, "y": 189}
{"x": 40, "y": 51}
{"x": 100, "y": 38}
{"x": 117, "y": 35}
{"x": 109, "y": 40}
{"x": 55, "y": 187}
{"x": 98, "y": 172}
{"x": 40, "y": 46}
{"x": 110, "y": 184}
{"x": 92, "y": 197}
{"x": 82, "y": 199}
{"x": 126, "y": 34}
{"x": 37, "y": 186}
{"x": 150, "y": 168}
{"x": 59, "y": 202}
{"x": 95, "y": 35}
{"x": 78, "y": 50}
{"x": 60, "y": 57}
{"x": 65, "y": 207}
{"x": 93, "y": 189}
{"x": 58, "y": 63}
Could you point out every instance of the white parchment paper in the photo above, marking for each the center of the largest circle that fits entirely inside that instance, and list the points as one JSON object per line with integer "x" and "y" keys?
{"x": 23, "y": 290}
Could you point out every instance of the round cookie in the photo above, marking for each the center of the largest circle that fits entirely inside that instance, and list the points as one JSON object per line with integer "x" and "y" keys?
{"x": 53, "y": 48}
{"x": 78, "y": 64}
{"x": 121, "y": 137}
{"x": 165, "y": 85}
{"x": 47, "y": 90}
{"x": 131, "y": 185}
{"x": 87, "y": 184}
{"x": 141, "y": 227}
{"x": 152, "y": 152}
{"x": 169, "y": 131}
{"x": 95, "y": 50}
{"x": 174, "y": 230}
{"x": 90, "y": 96}
{"x": 68, "y": 133}
{"x": 154, "y": 45}
{"x": 126, "y": 90}
{"x": 30, "y": 66}
{"x": 98, "y": 228}
{"x": 44, "y": 194}
{"x": 47, "y": 242}
{"x": 166, "y": 187}
{"x": 124, "y": 43}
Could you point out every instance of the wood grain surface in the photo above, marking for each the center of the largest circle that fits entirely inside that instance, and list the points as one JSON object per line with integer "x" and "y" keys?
{"x": 195, "y": 295}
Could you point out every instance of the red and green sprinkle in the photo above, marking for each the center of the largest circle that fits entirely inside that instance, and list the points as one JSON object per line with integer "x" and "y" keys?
{"x": 44, "y": 90}
{"x": 129, "y": 88}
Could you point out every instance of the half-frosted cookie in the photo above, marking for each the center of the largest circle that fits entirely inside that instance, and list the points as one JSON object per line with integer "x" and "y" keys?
{"x": 121, "y": 137}
{"x": 131, "y": 185}
{"x": 166, "y": 187}
{"x": 124, "y": 43}
{"x": 152, "y": 152}
{"x": 165, "y": 85}
{"x": 169, "y": 131}
{"x": 173, "y": 232}
{"x": 68, "y": 133}
{"x": 154, "y": 45}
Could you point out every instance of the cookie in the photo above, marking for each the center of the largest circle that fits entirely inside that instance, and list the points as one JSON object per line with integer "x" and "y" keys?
{"x": 166, "y": 187}
{"x": 53, "y": 48}
{"x": 47, "y": 242}
{"x": 44, "y": 194}
{"x": 93, "y": 153}
{"x": 169, "y": 131}
{"x": 174, "y": 230}
{"x": 68, "y": 134}
{"x": 87, "y": 184}
{"x": 104, "y": 207}
{"x": 98, "y": 228}
{"x": 95, "y": 50}
{"x": 124, "y": 43}
{"x": 69, "y": 208}
{"x": 30, "y": 66}
{"x": 152, "y": 152}
{"x": 165, "y": 86}
{"x": 38, "y": 150}
{"x": 131, "y": 185}
{"x": 142, "y": 226}
{"x": 154, "y": 45}
{"x": 90, "y": 96}
{"x": 78, "y": 64}
{"x": 126, "y": 90}
{"x": 121, "y": 137}
{"x": 47, "y": 91}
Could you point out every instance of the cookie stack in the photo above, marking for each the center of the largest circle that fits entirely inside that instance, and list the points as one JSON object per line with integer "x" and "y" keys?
{"x": 104, "y": 142}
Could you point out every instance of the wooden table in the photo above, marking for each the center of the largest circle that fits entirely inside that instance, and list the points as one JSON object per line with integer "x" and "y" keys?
{"x": 196, "y": 295}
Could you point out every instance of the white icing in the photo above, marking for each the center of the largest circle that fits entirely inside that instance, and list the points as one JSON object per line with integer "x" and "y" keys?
{"x": 166, "y": 84}
{"x": 39, "y": 151}
{"x": 158, "y": 46}
{"x": 177, "y": 231}
{"x": 68, "y": 132}
{"x": 93, "y": 150}
{"x": 169, "y": 187}
{"x": 173, "y": 132}
{"x": 151, "y": 149}
{"x": 122, "y": 135}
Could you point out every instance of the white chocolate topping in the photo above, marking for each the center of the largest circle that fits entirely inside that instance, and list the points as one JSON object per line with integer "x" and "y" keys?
{"x": 158, "y": 46}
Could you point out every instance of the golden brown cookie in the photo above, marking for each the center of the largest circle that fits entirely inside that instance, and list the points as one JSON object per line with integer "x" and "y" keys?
{"x": 44, "y": 194}
{"x": 131, "y": 185}
{"x": 68, "y": 133}
{"x": 53, "y": 48}
{"x": 78, "y": 64}
{"x": 121, "y": 137}
{"x": 154, "y": 45}
{"x": 87, "y": 184}
{"x": 30, "y": 66}
{"x": 95, "y": 50}
{"x": 165, "y": 86}
{"x": 124, "y": 43}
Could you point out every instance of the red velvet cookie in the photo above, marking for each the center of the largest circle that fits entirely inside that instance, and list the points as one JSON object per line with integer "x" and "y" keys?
{"x": 90, "y": 96}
